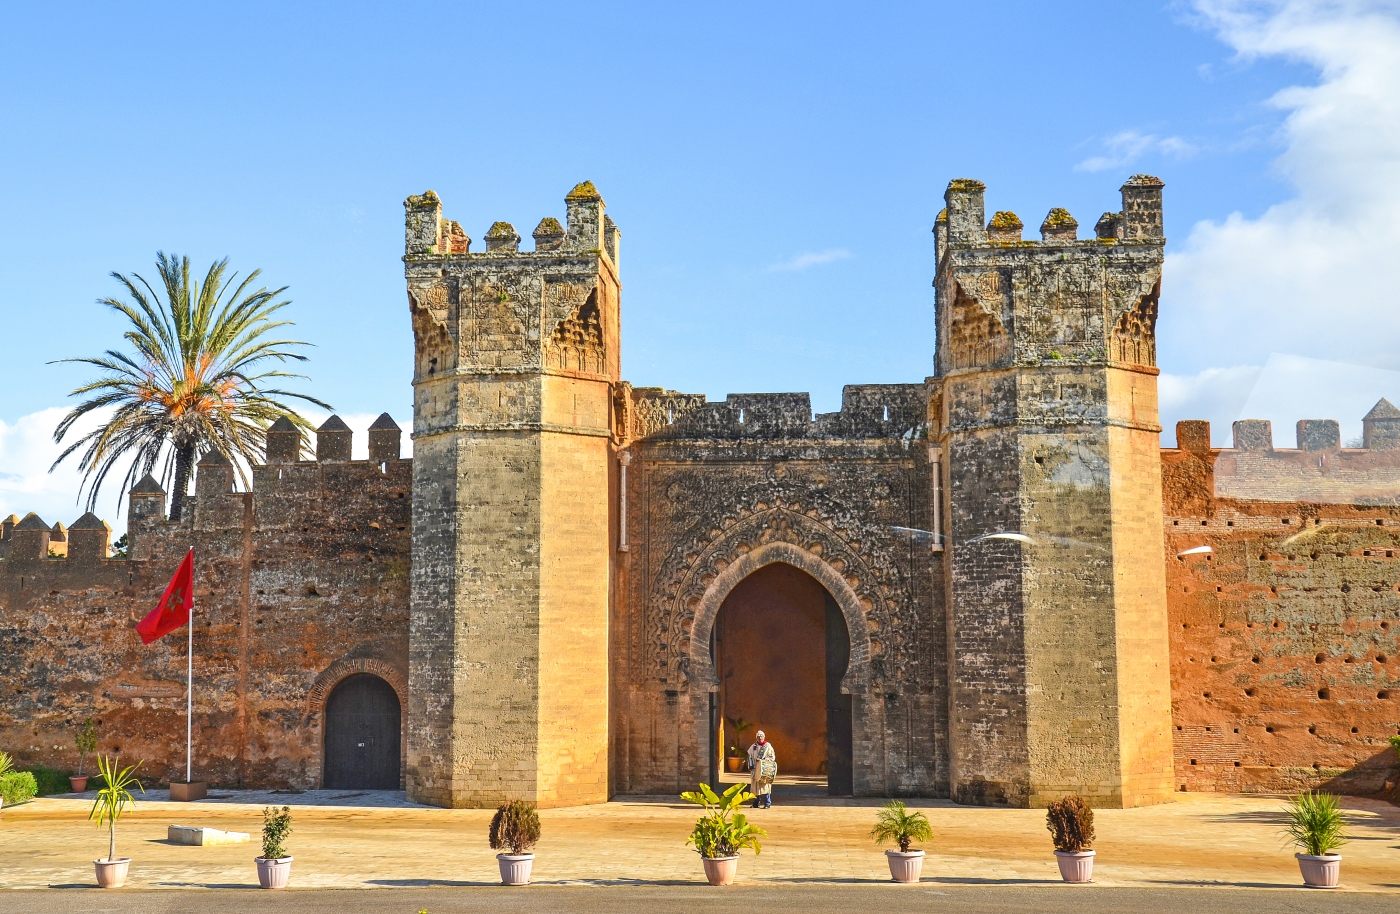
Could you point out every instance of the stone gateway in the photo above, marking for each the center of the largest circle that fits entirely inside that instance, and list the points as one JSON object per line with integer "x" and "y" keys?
{"x": 992, "y": 584}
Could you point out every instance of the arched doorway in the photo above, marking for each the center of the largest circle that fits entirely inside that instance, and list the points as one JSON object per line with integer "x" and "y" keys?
{"x": 362, "y": 735}
{"x": 780, "y": 650}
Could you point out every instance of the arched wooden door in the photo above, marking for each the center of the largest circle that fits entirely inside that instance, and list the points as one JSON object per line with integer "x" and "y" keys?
{"x": 362, "y": 735}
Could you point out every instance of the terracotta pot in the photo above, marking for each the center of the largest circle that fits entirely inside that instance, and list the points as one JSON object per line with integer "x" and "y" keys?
{"x": 905, "y": 866}
{"x": 1075, "y": 866}
{"x": 734, "y": 763}
{"x": 111, "y": 874}
{"x": 79, "y": 784}
{"x": 272, "y": 874}
{"x": 721, "y": 870}
{"x": 515, "y": 870}
{"x": 1320, "y": 872}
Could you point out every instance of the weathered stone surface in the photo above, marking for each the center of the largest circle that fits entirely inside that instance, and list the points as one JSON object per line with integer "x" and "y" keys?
{"x": 200, "y": 836}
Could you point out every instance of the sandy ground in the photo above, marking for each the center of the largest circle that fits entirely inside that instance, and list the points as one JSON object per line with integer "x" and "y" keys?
{"x": 383, "y": 841}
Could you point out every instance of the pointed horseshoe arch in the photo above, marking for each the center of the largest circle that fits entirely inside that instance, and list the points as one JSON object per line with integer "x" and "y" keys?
{"x": 702, "y": 669}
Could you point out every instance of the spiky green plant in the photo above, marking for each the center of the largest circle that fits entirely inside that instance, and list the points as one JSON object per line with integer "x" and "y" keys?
{"x": 194, "y": 383}
{"x": 1315, "y": 823}
{"x": 723, "y": 831}
{"x": 115, "y": 796}
{"x": 7, "y": 763}
{"x": 896, "y": 823}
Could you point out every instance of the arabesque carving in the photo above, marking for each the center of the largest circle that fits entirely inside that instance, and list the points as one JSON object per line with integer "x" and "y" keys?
{"x": 1134, "y": 337}
{"x": 976, "y": 335}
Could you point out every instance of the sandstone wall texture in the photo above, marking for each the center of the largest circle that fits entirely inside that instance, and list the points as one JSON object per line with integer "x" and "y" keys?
{"x": 517, "y": 354}
{"x": 1047, "y": 413}
{"x": 298, "y": 584}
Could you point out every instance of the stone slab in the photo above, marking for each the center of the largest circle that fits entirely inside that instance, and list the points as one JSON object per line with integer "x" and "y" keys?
{"x": 198, "y": 836}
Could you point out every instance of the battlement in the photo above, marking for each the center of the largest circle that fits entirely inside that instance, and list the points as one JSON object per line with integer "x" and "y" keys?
{"x": 587, "y": 228}
{"x": 286, "y": 486}
{"x": 867, "y": 411}
{"x": 1318, "y": 469}
{"x": 1005, "y": 301}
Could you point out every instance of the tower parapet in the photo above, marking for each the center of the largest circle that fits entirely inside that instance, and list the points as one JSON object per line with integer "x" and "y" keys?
{"x": 516, "y": 355}
{"x": 1047, "y": 385}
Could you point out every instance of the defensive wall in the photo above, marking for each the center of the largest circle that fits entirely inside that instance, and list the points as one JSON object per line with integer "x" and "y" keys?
{"x": 299, "y": 583}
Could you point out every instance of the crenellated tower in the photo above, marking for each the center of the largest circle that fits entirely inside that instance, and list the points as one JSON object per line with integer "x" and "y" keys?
{"x": 516, "y": 358}
{"x": 1046, "y": 395}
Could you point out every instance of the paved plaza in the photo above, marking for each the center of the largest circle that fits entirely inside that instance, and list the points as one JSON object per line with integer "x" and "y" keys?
{"x": 377, "y": 840}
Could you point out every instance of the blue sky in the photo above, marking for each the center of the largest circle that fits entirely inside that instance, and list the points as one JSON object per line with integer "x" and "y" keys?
{"x": 775, "y": 174}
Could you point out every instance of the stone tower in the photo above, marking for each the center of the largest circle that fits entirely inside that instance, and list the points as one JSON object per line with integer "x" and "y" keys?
{"x": 516, "y": 358}
{"x": 1046, "y": 396}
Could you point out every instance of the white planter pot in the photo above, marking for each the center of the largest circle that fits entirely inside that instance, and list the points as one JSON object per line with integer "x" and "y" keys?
{"x": 1075, "y": 866}
{"x": 905, "y": 866}
{"x": 273, "y": 874}
{"x": 1320, "y": 872}
{"x": 515, "y": 870}
{"x": 111, "y": 874}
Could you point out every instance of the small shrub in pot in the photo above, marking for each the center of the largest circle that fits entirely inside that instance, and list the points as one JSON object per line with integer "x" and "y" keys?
{"x": 515, "y": 828}
{"x": 896, "y": 823}
{"x": 111, "y": 804}
{"x": 1316, "y": 825}
{"x": 86, "y": 742}
{"x": 1071, "y": 825}
{"x": 275, "y": 864}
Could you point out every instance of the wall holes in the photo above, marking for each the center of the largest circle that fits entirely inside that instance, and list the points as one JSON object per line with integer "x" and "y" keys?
{"x": 1320, "y": 657}
{"x": 1203, "y": 523}
{"x": 1255, "y": 658}
{"x": 1324, "y": 694}
{"x": 1312, "y": 730}
{"x": 1380, "y": 658}
{"x": 1205, "y": 694}
{"x": 1268, "y": 729}
{"x": 1287, "y": 520}
{"x": 1383, "y": 694}
{"x": 1219, "y": 589}
{"x": 1237, "y": 764}
{"x": 741, "y": 417}
{"x": 1176, "y": 523}
{"x": 887, "y": 416}
{"x": 1353, "y": 729}
{"x": 1249, "y": 692}
{"x": 1193, "y": 761}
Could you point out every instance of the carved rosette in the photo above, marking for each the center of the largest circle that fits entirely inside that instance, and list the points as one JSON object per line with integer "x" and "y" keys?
{"x": 813, "y": 543}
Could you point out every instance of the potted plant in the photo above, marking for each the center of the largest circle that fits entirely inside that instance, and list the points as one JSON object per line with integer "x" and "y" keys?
{"x": 109, "y": 806}
{"x": 87, "y": 742}
{"x": 515, "y": 827}
{"x": 895, "y": 823}
{"x": 275, "y": 864}
{"x": 1316, "y": 826}
{"x": 722, "y": 832}
{"x": 736, "y": 756}
{"x": 1071, "y": 824}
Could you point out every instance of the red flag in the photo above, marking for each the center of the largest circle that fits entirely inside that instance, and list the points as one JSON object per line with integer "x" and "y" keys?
{"x": 173, "y": 611}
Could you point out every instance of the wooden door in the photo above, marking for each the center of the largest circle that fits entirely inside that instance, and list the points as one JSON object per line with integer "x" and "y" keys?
{"x": 362, "y": 735}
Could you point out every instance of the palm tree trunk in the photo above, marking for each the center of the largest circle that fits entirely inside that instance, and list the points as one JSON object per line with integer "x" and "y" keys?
{"x": 184, "y": 465}
{"x": 112, "y": 847}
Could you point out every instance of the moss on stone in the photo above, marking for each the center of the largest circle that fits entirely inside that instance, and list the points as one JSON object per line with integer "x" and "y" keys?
{"x": 1146, "y": 181}
{"x": 1005, "y": 221}
{"x": 501, "y": 230}
{"x": 1059, "y": 217}
{"x": 548, "y": 227}
{"x": 427, "y": 198}
{"x": 942, "y": 215}
{"x": 965, "y": 185}
{"x": 584, "y": 190}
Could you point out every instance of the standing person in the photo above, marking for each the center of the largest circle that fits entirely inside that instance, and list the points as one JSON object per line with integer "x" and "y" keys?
{"x": 763, "y": 763}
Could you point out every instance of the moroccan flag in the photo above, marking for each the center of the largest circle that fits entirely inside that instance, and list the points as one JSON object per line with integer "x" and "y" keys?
{"x": 173, "y": 611}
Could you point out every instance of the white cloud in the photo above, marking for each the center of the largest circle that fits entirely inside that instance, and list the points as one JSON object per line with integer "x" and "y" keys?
{"x": 1311, "y": 274}
{"x": 1130, "y": 145}
{"x": 810, "y": 259}
{"x": 1287, "y": 388}
{"x": 27, "y": 450}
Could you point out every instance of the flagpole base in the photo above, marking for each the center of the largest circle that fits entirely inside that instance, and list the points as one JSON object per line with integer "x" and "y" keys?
{"x": 188, "y": 791}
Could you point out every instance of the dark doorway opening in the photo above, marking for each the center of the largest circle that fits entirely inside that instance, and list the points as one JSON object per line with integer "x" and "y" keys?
{"x": 780, "y": 650}
{"x": 362, "y": 735}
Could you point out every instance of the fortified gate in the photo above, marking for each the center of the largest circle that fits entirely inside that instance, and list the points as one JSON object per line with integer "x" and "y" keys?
{"x": 994, "y": 584}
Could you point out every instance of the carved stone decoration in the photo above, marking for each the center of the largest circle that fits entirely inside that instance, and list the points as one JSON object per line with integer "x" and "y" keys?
{"x": 697, "y": 577}
{"x": 1134, "y": 337}
{"x": 650, "y": 414}
{"x": 577, "y": 342}
{"x": 976, "y": 335}
{"x": 435, "y": 349}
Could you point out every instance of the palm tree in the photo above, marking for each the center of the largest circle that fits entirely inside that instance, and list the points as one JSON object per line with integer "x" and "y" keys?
{"x": 194, "y": 383}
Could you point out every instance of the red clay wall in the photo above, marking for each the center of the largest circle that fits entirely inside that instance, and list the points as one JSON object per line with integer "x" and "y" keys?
{"x": 772, "y": 664}
{"x": 1285, "y": 661}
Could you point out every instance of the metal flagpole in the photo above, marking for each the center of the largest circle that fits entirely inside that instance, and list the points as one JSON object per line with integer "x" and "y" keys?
{"x": 189, "y": 700}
